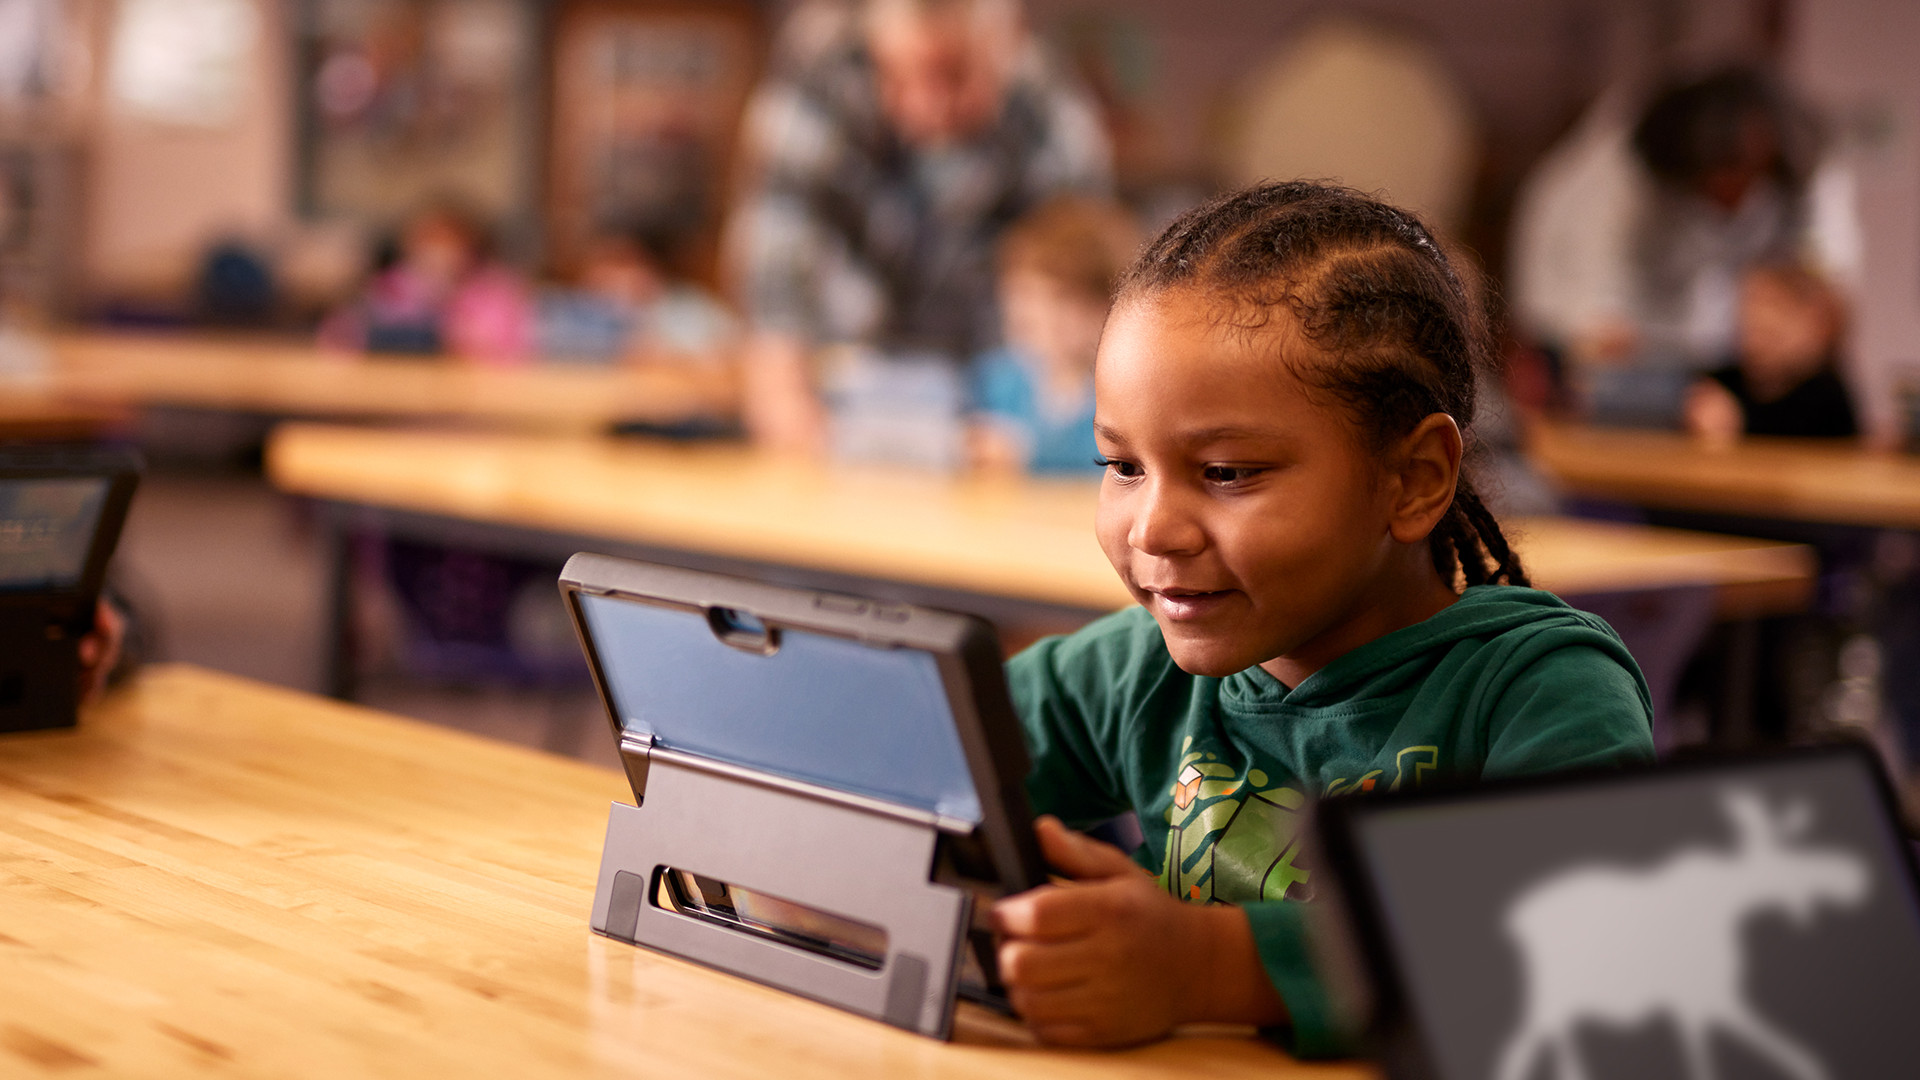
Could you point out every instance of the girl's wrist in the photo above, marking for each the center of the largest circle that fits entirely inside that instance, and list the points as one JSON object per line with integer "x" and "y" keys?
{"x": 1226, "y": 983}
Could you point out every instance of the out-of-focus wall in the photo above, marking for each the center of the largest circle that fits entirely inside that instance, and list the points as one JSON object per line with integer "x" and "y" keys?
{"x": 1527, "y": 67}
{"x": 1856, "y": 57}
{"x": 158, "y": 191}
{"x": 1526, "y": 63}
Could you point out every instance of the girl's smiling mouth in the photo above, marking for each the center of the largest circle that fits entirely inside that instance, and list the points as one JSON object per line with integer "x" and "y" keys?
{"x": 1184, "y": 605}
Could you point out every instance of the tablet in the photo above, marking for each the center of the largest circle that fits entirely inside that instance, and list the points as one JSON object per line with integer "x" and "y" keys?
{"x": 836, "y": 697}
{"x": 1755, "y": 916}
{"x": 61, "y": 510}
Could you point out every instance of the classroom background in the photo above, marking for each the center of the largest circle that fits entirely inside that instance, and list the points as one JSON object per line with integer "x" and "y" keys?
{"x": 405, "y": 300}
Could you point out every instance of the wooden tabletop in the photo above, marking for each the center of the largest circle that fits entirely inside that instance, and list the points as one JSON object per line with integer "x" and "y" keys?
{"x": 212, "y": 877}
{"x": 281, "y": 378}
{"x": 1824, "y": 480}
{"x": 38, "y": 415}
{"x": 1030, "y": 539}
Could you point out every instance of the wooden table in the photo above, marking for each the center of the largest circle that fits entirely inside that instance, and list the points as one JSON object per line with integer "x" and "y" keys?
{"x": 212, "y": 877}
{"x": 1014, "y": 537}
{"x": 37, "y": 415}
{"x": 1008, "y": 548}
{"x": 279, "y": 378}
{"x": 1809, "y": 480}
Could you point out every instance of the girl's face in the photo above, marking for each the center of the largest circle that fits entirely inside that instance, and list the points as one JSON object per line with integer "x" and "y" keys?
{"x": 1240, "y": 507}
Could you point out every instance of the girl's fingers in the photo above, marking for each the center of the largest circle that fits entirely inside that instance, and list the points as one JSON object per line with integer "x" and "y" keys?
{"x": 1078, "y": 856}
{"x": 1040, "y": 1007}
{"x": 1051, "y": 912}
{"x": 1037, "y": 965}
{"x": 1067, "y": 1033}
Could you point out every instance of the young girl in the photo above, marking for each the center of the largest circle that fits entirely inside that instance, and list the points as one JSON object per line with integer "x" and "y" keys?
{"x": 1281, "y": 393}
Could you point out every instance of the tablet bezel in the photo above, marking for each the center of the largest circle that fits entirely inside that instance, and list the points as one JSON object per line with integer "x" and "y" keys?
{"x": 965, "y": 650}
{"x": 1394, "y": 1032}
{"x": 120, "y": 469}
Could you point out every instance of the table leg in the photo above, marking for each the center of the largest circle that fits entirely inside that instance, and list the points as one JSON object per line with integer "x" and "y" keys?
{"x": 1734, "y": 725}
{"x": 342, "y": 651}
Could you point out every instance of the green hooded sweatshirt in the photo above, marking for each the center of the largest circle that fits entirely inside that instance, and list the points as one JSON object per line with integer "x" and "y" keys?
{"x": 1504, "y": 682}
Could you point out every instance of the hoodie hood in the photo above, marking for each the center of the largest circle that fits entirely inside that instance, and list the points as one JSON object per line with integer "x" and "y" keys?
{"x": 1515, "y": 624}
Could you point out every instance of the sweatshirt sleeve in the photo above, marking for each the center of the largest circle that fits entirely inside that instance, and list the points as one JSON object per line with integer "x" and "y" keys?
{"x": 1319, "y": 1024}
{"x": 1063, "y": 696}
{"x": 1573, "y": 707}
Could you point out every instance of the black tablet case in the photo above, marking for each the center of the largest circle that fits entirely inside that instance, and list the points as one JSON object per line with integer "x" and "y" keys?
{"x": 41, "y": 624}
{"x": 1440, "y": 888}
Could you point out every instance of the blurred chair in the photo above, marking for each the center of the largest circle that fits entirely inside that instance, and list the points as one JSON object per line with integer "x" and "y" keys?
{"x": 236, "y": 286}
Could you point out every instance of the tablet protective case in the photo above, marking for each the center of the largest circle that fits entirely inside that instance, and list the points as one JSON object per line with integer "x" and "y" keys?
{"x": 852, "y": 763}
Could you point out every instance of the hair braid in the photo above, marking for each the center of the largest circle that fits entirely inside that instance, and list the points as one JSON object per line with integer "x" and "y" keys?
{"x": 1493, "y": 559}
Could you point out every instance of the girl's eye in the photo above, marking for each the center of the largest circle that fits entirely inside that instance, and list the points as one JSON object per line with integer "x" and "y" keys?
{"x": 1121, "y": 469}
{"x": 1230, "y": 475}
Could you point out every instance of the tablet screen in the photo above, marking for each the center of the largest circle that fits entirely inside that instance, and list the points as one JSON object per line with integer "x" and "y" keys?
{"x": 46, "y": 530}
{"x": 859, "y": 718}
{"x": 1760, "y": 915}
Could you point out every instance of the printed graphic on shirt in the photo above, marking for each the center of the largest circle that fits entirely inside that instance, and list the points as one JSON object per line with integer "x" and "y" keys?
{"x": 1234, "y": 838}
{"x": 1409, "y": 766}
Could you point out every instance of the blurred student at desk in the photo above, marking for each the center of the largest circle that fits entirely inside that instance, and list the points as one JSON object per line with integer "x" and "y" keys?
{"x": 436, "y": 288}
{"x": 895, "y": 141}
{"x": 1630, "y": 239}
{"x": 1033, "y": 396}
{"x": 1785, "y": 379}
{"x": 625, "y": 305}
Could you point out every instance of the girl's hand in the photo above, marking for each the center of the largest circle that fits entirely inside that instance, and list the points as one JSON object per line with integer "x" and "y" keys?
{"x": 1109, "y": 958}
{"x": 100, "y": 651}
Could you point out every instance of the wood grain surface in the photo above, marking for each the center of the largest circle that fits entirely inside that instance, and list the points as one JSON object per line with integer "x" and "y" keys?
{"x": 279, "y": 378}
{"x": 1823, "y": 480}
{"x": 35, "y": 414}
{"x": 1026, "y": 538}
{"x": 212, "y": 877}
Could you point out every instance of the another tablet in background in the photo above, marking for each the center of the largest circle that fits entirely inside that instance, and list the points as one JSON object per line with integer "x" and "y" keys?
{"x": 61, "y": 511}
{"x": 1746, "y": 918}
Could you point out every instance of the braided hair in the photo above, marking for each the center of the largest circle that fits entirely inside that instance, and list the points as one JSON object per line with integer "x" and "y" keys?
{"x": 1372, "y": 291}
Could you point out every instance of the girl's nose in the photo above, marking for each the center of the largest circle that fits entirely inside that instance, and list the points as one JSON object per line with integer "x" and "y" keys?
{"x": 1164, "y": 523}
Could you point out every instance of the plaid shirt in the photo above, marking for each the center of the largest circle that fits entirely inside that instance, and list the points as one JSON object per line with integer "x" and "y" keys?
{"x": 847, "y": 235}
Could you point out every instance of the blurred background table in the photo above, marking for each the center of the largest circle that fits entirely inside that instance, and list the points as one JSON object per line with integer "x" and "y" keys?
{"x": 215, "y": 877}
{"x": 1826, "y": 481}
{"x": 1004, "y": 547}
{"x": 30, "y": 414}
{"x": 278, "y": 378}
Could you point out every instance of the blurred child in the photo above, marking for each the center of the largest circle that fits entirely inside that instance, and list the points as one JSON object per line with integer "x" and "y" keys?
{"x": 1784, "y": 380}
{"x": 437, "y": 289}
{"x": 624, "y": 305}
{"x": 1034, "y": 395}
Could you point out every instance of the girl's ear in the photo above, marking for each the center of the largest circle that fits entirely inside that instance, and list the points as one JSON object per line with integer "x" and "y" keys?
{"x": 1426, "y": 466}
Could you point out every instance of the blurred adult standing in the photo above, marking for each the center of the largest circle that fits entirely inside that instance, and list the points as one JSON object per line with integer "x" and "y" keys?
{"x": 893, "y": 142}
{"x": 1632, "y": 236}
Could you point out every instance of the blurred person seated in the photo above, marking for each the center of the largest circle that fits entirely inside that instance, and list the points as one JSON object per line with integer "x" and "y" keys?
{"x": 436, "y": 288}
{"x": 625, "y": 306}
{"x": 1631, "y": 238}
{"x": 1785, "y": 378}
{"x": 893, "y": 142}
{"x": 1033, "y": 396}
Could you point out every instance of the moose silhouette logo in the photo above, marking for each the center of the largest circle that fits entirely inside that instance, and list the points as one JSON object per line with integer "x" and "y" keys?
{"x": 1624, "y": 946}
